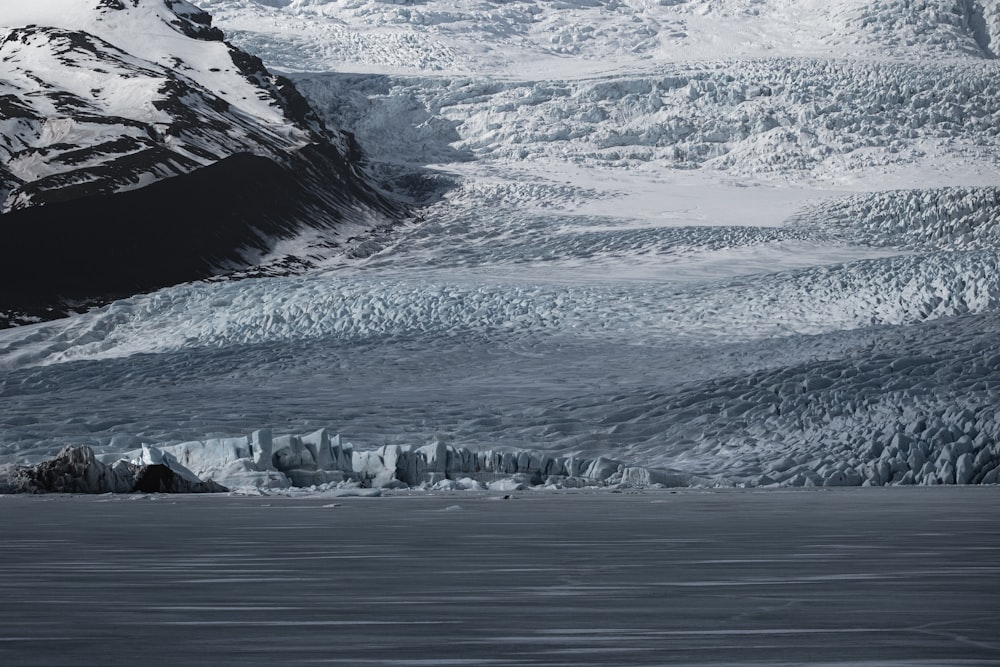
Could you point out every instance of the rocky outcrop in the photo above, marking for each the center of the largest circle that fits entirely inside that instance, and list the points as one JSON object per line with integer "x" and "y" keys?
{"x": 77, "y": 470}
{"x": 158, "y": 478}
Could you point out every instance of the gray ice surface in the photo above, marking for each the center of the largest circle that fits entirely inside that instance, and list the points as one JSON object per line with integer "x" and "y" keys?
{"x": 881, "y": 576}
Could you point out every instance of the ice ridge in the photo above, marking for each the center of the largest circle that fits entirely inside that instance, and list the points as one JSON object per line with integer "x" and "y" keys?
{"x": 927, "y": 453}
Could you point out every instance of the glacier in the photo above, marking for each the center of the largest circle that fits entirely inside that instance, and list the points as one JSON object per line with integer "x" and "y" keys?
{"x": 646, "y": 243}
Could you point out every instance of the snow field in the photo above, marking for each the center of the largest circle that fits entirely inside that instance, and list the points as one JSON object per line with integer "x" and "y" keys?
{"x": 154, "y": 32}
{"x": 891, "y": 405}
{"x": 905, "y": 411}
{"x": 944, "y": 26}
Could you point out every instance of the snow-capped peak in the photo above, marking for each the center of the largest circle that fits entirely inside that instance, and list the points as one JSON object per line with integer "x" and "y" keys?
{"x": 173, "y": 34}
{"x": 111, "y": 95}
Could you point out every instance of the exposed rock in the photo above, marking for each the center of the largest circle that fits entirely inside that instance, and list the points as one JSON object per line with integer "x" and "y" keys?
{"x": 77, "y": 470}
{"x": 158, "y": 478}
{"x": 73, "y": 470}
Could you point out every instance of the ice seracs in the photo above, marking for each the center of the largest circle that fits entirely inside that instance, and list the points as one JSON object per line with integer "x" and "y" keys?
{"x": 319, "y": 459}
{"x": 954, "y": 446}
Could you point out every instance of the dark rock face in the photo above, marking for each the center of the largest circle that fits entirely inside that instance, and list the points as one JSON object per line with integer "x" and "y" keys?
{"x": 73, "y": 470}
{"x": 173, "y": 231}
{"x": 192, "y": 21}
{"x": 158, "y": 478}
{"x": 77, "y": 470}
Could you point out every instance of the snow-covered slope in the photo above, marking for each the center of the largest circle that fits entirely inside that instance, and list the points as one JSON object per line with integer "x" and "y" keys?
{"x": 110, "y": 96}
{"x": 686, "y": 242}
{"x": 541, "y": 38}
{"x": 104, "y": 97}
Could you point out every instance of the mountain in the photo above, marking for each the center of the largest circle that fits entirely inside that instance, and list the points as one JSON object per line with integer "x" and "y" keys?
{"x": 139, "y": 149}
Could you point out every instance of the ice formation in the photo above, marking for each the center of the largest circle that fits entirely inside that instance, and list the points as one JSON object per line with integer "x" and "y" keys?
{"x": 677, "y": 243}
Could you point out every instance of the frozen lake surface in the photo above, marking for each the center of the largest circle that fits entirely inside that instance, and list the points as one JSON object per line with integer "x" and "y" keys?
{"x": 784, "y": 577}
